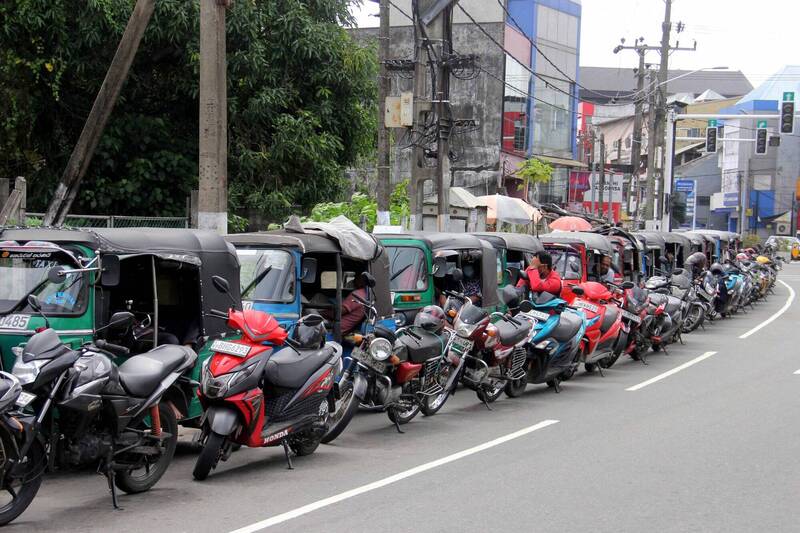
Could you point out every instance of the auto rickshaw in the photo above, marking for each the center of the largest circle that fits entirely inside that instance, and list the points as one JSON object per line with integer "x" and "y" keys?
{"x": 514, "y": 253}
{"x": 311, "y": 268}
{"x": 726, "y": 243}
{"x": 576, "y": 256}
{"x": 82, "y": 278}
{"x": 655, "y": 248}
{"x": 627, "y": 259}
{"x": 679, "y": 245}
{"x": 422, "y": 264}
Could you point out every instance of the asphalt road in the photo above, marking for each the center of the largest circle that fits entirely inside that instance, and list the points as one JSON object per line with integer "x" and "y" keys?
{"x": 714, "y": 446}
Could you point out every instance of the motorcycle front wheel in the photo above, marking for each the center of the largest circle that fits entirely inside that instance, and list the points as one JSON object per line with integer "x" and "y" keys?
{"x": 144, "y": 477}
{"x": 515, "y": 388}
{"x": 400, "y": 416}
{"x": 19, "y": 487}
{"x": 431, "y": 404}
{"x": 345, "y": 409}
{"x": 209, "y": 456}
{"x": 489, "y": 394}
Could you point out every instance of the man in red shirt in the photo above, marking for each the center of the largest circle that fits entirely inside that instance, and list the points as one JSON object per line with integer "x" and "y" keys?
{"x": 541, "y": 276}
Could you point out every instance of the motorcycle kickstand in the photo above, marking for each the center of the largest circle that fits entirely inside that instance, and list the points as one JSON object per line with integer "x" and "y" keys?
{"x": 110, "y": 475}
{"x": 397, "y": 425}
{"x": 286, "y": 453}
{"x": 600, "y": 370}
{"x": 483, "y": 399}
{"x": 557, "y": 386}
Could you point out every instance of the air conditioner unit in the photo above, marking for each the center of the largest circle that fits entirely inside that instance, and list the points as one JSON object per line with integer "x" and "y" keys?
{"x": 783, "y": 228}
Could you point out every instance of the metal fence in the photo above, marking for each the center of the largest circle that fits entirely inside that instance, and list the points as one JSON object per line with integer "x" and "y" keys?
{"x": 106, "y": 221}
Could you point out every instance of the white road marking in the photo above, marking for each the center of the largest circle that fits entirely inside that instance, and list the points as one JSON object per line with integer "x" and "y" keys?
{"x": 776, "y": 315}
{"x": 797, "y": 371}
{"x": 311, "y": 507}
{"x": 668, "y": 373}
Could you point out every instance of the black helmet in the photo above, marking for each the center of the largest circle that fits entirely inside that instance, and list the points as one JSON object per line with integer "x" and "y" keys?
{"x": 430, "y": 318}
{"x": 310, "y": 333}
{"x": 717, "y": 269}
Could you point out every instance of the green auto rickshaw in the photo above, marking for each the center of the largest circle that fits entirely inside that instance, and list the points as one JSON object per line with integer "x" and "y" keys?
{"x": 83, "y": 277}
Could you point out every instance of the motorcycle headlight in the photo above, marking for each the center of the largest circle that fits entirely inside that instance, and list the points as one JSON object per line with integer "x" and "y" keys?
{"x": 216, "y": 387}
{"x": 380, "y": 349}
{"x": 464, "y": 330}
{"x": 26, "y": 372}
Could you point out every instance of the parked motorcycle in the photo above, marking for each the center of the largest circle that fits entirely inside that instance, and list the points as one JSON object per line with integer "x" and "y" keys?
{"x": 696, "y": 308}
{"x": 606, "y": 335}
{"x": 669, "y": 312}
{"x": 78, "y": 408}
{"x": 257, "y": 393}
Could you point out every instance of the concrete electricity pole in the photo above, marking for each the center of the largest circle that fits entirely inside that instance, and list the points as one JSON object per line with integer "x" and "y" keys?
{"x": 107, "y": 96}
{"x": 384, "y": 180}
{"x": 602, "y": 165}
{"x": 636, "y": 141}
{"x": 652, "y": 149}
{"x": 213, "y": 196}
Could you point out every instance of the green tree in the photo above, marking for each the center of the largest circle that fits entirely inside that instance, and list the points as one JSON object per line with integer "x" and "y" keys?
{"x": 301, "y": 102}
{"x": 361, "y": 205}
{"x": 534, "y": 171}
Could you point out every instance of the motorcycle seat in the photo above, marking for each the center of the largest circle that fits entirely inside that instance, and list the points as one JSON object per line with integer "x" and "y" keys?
{"x": 421, "y": 349}
{"x": 609, "y": 318}
{"x": 672, "y": 304}
{"x": 509, "y": 333}
{"x": 141, "y": 374}
{"x": 567, "y": 327}
{"x": 291, "y": 368}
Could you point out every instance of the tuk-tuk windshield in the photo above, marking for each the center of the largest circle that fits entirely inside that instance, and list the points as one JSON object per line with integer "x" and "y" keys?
{"x": 25, "y": 273}
{"x": 266, "y": 275}
{"x": 408, "y": 269}
{"x": 566, "y": 263}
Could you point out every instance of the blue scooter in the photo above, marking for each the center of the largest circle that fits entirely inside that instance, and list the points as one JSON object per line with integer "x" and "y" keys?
{"x": 554, "y": 343}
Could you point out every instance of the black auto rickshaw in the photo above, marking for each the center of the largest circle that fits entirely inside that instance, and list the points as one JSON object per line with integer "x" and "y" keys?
{"x": 514, "y": 252}
{"x": 82, "y": 278}
{"x": 655, "y": 250}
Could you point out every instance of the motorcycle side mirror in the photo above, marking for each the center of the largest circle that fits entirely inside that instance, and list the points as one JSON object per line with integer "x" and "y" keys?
{"x": 526, "y": 306}
{"x": 56, "y": 275}
{"x": 439, "y": 267}
{"x": 121, "y": 319}
{"x": 457, "y": 274}
{"x": 221, "y": 284}
{"x": 577, "y": 290}
{"x": 368, "y": 279}
{"x": 628, "y": 285}
{"x": 523, "y": 275}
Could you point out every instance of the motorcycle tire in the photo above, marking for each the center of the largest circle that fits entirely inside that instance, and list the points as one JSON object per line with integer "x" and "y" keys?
{"x": 515, "y": 388}
{"x": 489, "y": 395}
{"x": 346, "y": 409}
{"x": 566, "y": 375}
{"x": 608, "y": 362}
{"x": 128, "y": 481}
{"x": 24, "y": 493}
{"x": 304, "y": 445}
{"x": 402, "y": 417}
{"x": 590, "y": 367}
{"x": 209, "y": 456}
{"x": 432, "y": 404}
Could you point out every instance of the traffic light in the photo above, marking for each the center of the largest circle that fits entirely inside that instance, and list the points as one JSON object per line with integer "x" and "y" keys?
{"x": 761, "y": 141}
{"x": 711, "y": 137}
{"x": 787, "y": 113}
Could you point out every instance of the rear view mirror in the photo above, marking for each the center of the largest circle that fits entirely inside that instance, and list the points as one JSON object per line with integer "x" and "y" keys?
{"x": 526, "y": 306}
{"x": 121, "y": 319}
{"x": 439, "y": 267}
{"x": 57, "y": 274}
{"x": 221, "y": 284}
{"x": 457, "y": 274}
{"x": 628, "y": 285}
{"x": 577, "y": 290}
{"x": 368, "y": 279}
{"x": 308, "y": 270}
{"x": 110, "y": 273}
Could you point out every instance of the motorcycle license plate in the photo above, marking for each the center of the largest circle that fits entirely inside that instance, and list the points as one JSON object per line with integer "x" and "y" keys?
{"x": 586, "y": 305}
{"x": 706, "y": 296}
{"x": 14, "y": 322}
{"x": 460, "y": 345}
{"x": 539, "y": 315}
{"x": 630, "y": 316}
{"x": 363, "y": 357}
{"x": 25, "y": 398}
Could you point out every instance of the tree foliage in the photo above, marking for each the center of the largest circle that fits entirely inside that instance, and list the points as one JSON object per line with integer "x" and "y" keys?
{"x": 534, "y": 171}
{"x": 362, "y": 206}
{"x": 301, "y": 102}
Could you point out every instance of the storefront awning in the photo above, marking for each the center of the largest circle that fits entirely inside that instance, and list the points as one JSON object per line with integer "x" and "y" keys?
{"x": 561, "y": 162}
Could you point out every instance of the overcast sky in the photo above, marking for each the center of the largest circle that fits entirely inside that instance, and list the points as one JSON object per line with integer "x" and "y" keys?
{"x": 756, "y": 37}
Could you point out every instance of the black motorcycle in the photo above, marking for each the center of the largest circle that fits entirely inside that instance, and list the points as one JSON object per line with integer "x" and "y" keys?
{"x": 77, "y": 408}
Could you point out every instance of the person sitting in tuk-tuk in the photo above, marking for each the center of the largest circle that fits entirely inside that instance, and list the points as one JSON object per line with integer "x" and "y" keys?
{"x": 541, "y": 276}
{"x": 353, "y": 312}
{"x": 472, "y": 283}
{"x": 602, "y": 271}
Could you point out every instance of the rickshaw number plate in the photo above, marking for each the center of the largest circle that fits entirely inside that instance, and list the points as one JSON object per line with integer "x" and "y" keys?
{"x": 14, "y": 322}
{"x": 631, "y": 316}
{"x": 25, "y": 398}
{"x": 586, "y": 305}
{"x": 230, "y": 348}
{"x": 360, "y": 355}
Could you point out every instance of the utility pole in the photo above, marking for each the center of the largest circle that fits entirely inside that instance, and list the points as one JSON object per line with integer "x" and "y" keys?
{"x": 213, "y": 196}
{"x": 384, "y": 181}
{"x": 420, "y": 171}
{"x": 602, "y": 165}
{"x": 636, "y": 142}
{"x": 661, "y": 101}
{"x": 444, "y": 126}
{"x": 592, "y": 169}
{"x": 104, "y": 102}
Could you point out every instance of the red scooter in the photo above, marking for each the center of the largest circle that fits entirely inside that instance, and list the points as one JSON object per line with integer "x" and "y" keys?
{"x": 256, "y": 394}
{"x": 607, "y": 335}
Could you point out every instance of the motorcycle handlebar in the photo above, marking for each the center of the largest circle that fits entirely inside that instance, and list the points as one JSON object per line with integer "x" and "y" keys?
{"x": 113, "y": 348}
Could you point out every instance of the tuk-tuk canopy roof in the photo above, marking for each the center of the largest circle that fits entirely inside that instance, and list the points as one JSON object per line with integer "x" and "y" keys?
{"x": 726, "y": 236}
{"x": 628, "y": 238}
{"x": 339, "y": 235}
{"x": 652, "y": 239}
{"x": 438, "y": 241}
{"x": 677, "y": 238}
{"x": 696, "y": 238}
{"x": 590, "y": 240}
{"x": 520, "y": 242}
